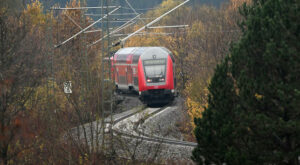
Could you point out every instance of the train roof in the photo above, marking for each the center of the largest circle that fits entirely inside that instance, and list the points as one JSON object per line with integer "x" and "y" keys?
{"x": 143, "y": 52}
{"x": 139, "y": 50}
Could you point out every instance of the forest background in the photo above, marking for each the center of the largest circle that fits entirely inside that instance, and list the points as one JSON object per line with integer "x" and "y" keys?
{"x": 35, "y": 112}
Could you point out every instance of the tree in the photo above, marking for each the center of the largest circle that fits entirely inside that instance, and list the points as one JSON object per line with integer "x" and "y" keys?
{"x": 207, "y": 45}
{"x": 253, "y": 113}
{"x": 20, "y": 74}
{"x": 215, "y": 130}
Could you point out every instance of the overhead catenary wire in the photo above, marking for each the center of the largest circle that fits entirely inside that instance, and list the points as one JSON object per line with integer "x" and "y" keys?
{"x": 117, "y": 14}
{"x": 114, "y": 21}
{"x": 207, "y": 31}
{"x": 149, "y": 24}
{"x": 132, "y": 9}
{"x": 143, "y": 33}
{"x": 83, "y": 30}
{"x": 129, "y": 22}
{"x": 93, "y": 31}
{"x": 172, "y": 26}
{"x": 115, "y": 31}
{"x": 128, "y": 19}
{"x": 125, "y": 24}
{"x": 73, "y": 21}
{"x": 215, "y": 31}
{"x": 151, "y": 33}
{"x": 141, "y": 9}
{"x": 81, "y": 8}
{"x": 181, "y": 32}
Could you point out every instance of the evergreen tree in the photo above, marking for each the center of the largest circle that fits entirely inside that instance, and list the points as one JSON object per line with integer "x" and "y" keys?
{"x": 253, "y": 115}
{"x": 215, "y": 130}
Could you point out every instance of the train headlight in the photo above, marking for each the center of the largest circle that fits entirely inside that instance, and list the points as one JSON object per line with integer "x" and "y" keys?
{"x": 149, "y": 80}
{"x": 161, "y": 79}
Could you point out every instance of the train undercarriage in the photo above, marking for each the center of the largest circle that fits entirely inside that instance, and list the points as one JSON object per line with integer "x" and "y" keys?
{"x": 157, "y": 96}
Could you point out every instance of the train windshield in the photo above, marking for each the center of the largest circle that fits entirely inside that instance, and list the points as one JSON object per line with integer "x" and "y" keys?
{"x": 155, "y": 69}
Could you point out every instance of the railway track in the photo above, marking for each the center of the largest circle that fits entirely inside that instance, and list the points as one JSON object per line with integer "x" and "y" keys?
{"x": 132, "y": 138}
{"x": 139, "y": 134}
{"x": 128, "y": 130}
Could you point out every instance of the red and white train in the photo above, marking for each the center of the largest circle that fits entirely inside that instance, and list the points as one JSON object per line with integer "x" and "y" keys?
{"x": 150, "y": 71}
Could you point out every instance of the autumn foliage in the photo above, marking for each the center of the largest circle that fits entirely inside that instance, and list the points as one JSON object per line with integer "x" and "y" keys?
{"x": 35, "y": 111}
{"x": 252, "y": 115}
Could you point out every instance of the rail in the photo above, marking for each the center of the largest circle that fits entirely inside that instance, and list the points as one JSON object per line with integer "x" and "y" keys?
{"x": 147, "y": 137}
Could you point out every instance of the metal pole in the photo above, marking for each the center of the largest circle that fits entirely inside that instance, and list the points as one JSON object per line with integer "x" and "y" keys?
{"x": 110, "y": 85}
{"x": 102, "y": 85}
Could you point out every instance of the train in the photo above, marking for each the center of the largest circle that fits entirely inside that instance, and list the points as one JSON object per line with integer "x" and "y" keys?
{"x": 147, "y": 71}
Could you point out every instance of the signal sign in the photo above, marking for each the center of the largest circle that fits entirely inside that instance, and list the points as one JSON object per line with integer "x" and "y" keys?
{"x": 68, "y": 87}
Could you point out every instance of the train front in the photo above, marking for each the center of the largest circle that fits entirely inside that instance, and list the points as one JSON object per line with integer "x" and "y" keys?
{"x": 156, "y": 76}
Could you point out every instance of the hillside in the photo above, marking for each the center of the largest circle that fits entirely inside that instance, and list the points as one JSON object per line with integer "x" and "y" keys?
{"x": 67, "y": 99}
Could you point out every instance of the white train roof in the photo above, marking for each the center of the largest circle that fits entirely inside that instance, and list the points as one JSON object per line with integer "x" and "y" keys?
{"x": 140, "y": 50}
{"x": 143, "y": 53}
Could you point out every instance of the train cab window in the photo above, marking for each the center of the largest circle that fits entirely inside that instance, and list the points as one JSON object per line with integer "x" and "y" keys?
{"x": 155, "y": 70}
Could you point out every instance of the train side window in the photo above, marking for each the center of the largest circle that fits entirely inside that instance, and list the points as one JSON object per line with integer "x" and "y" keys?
{"x": 121, "y": 58}
{"x": 133, "y": 70}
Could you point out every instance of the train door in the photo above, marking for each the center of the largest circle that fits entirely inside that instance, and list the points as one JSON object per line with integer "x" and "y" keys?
{"x": 121, "y": 71}
{"x": 129, "y": 75}
{"x": 129, "y": 71}
{"x": 134, "y": 68}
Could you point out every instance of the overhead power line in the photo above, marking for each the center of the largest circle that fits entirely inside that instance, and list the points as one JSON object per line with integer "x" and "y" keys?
{"x": 117, "y": 30}
{"x": 132, "y": 9}
{"x": 143, "y": 33}
{"x": 117, "y": 14}
{"x": 126, "y": 19}
{"x": 83, "y": 30}
{"x": 125, "y": 24}
{"x": 73, "y": 21}
{"x": 93, "y": 31}
{"x": 141, "y": 9}
{"x": 149, "y": 24}
{"x": 114, "y": 21}
{"x": 173, "y": 26}
{"x": 81, "y": 8}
